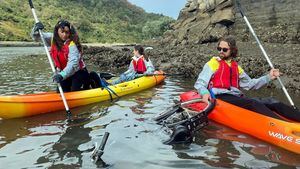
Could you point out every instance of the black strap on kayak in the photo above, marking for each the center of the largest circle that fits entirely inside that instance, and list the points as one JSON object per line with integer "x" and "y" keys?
{"x": 104, "y": 84}
{"x": 97, "y": 81}
{"x": 110, "y": 91}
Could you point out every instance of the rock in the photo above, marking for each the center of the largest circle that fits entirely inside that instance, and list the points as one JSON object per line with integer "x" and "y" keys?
{"x": 224, "y": 17}
{"x": 273, "y": 21}
{"x": 108, "y": 58}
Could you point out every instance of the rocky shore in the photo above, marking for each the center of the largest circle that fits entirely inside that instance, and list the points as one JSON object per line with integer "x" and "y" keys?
{"x": 191, "y": 41}
{"x": 190, "y": 59}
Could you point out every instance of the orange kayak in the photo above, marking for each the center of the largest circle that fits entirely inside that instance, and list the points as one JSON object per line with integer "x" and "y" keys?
{"x": 282, "y": 133}
{"x": 33, "y": 104}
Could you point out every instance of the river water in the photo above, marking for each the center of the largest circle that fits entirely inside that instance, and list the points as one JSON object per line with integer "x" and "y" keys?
{"x": 135, "y": 141}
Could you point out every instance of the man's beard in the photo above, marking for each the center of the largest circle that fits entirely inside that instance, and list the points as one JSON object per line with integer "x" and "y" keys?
{"x": 224, "y": 57}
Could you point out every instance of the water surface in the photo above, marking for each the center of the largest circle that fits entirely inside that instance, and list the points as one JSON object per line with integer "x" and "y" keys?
{"x": 135, "y": 141}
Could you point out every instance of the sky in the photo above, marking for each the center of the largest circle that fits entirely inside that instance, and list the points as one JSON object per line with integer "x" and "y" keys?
{"x": 166, "y": 7}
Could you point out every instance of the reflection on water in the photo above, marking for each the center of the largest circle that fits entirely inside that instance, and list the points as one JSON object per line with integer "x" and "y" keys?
{"x": 68, "y": 146}
{"x": 50, "y": 141}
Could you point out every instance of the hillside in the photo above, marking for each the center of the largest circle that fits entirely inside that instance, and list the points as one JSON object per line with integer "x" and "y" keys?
{"x": 96, "y": 20}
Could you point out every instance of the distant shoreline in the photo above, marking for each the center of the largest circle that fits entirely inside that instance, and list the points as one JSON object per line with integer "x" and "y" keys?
{"x": 34, "y": 44}
{"x": 19, "y": 44}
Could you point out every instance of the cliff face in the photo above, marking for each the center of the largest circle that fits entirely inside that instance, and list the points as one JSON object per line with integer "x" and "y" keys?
{"x": 202, "y": 21}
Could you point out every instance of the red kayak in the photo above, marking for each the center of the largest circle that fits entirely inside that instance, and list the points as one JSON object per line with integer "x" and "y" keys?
{"x": 282, "y": 133}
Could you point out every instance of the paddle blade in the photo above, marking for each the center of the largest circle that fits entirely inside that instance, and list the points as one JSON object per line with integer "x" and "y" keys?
{"x": 30, "y": 3}
{"x": 106, "y": 76}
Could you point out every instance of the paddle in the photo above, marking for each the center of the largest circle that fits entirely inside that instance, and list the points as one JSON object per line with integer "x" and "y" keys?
{"x": 50, "y": 60}
{"x": 264, "y": 52}
{"x": 106, "y": 75}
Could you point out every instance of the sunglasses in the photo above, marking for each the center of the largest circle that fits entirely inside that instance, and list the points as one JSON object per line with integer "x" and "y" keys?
{"x": 63, "y": 23}
{"x": 222, "y": 49}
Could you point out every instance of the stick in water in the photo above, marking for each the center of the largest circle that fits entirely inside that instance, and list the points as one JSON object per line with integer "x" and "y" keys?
{"x": 50, "y": 60}
{"x": 99, "y": 151}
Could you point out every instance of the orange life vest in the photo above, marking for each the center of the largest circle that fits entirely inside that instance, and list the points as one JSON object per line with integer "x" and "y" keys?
{"x": 60, "y": 57}
{"x": 139, "y": 65}
{"x": 225, "y": 76}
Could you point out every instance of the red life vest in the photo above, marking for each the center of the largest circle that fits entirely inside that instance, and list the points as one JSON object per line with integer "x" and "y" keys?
{"x": 139, "y": 65}
{"x": 60, "y": 57}
{"x": 225, "y": 76}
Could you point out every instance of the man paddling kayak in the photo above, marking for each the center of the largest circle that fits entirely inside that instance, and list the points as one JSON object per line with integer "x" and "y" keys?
{"x": 222, "y": 78}
{"x": 66, "y": 52}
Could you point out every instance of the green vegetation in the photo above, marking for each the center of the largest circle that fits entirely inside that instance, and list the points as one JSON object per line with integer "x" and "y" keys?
{"x": 104, "y": 21}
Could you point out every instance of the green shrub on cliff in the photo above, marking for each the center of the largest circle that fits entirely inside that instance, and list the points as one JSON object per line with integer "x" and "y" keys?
{"x": 154, "y": 28}
{"x": 96, "y": 20}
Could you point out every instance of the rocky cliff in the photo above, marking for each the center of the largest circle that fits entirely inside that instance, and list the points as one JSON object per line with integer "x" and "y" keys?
{"x": 192, "y": 40}
{"x": 203, "y": 21}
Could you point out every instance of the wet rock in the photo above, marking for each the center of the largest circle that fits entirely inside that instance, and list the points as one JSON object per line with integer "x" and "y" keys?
{"x": 108, "y": 58}
{"x": 189, "y": 59}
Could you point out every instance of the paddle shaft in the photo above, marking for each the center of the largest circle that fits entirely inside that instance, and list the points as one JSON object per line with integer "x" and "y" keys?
{"x": 49, "y": 58}
{"x": 264, "y": 52}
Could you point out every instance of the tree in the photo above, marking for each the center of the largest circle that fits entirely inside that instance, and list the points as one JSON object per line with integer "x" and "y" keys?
{"x": 156, "y": 28}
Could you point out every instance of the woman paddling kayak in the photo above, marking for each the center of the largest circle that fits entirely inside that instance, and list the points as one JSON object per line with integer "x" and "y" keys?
{"x": 139, "y": 65}
{"x": 222, "y": 78}
{"x": 66, "y": 52}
